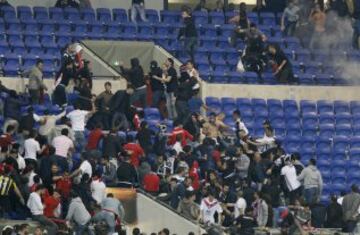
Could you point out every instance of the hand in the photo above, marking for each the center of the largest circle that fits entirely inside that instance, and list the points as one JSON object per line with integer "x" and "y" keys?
{"x": 22, "y": 201}
{"x": 276, "y": 72}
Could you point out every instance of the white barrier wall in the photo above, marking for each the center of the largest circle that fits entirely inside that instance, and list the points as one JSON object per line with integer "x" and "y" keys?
{"x": 126, "y": 4}
{"x": 346, "y": 93}
{"x": 152, "y": 217}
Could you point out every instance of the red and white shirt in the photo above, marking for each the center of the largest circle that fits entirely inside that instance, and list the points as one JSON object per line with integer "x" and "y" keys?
{"x": 209, "y": 208}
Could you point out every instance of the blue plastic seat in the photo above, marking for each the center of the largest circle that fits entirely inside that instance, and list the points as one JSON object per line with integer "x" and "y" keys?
{"x": 72, "y": 14}
{"x": 152, "y": 15}
{"x": 120, "y": 15}
{"x": 343, "y": 119}
{"x": 267, "y": 18}
{"x": 344, "y": 130}
{"x": 64, "y": 26}
{"x": 24, "y": 12}
{"x": 170, "y": 17}
{"x": 56, "y": 13}
{"x": 8, "y": 12}
{"x": 103, "y": 15}
{"x": 217, "y": 18}
{"x": 307, "y": 106}
{"x": 355, "y": 107}
{"x": 47, "y": 26}
{"x": 341, "y": 106}
{"x": 200, "y": 17}
{"x": 40, "y": 13}
{"x": 87, "y": 14}
{"x": 80, "y": 27}
{"x": 325, "y": 106}
{"x": 152, "y": 114}
{"x": 326, "y": 130}
{"x": 324, "y": 79}
{"x": 327, "y": 118}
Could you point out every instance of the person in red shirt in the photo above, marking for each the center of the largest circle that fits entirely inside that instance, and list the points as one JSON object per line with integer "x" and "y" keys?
{"x": 178, "y": 130}
{"x": 151, "y": 183}
{"x": 194, "y": 175}
{"x": 135, "y": 151}
{"x": 6, "y": 139}
{"x": 94, "y": 138}
{"x": 63, "y": 186}
{"x": 51, "y": 204}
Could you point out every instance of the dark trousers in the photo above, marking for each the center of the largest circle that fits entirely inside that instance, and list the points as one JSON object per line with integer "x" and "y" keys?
{"x": 295, "y": 194}
{"x": 59, "y": 95}
{"x": 62, "y": 163}
{"x": 182, "y": 110}
{"x": 290, "y": 28}
{"x": 350, "y": 226}
{"x": 34, "y": 96}
{"x": 190, "y": 44}
{"x": 47, "y": 223}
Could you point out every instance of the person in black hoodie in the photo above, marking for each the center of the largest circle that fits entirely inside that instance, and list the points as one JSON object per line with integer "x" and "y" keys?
{"x": 334, "y": 214}
{"x": 120, "y": 107}
{"x": 64, "y": 76}
{"x": 188, "y": 33}
{"x": 183, "y": 95}
{"x": 135, "y": 76}
{"x": 157, "y": 86}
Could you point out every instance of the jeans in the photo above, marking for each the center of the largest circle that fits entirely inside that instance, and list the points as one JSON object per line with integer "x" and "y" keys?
{"x": 311, "y": 195}
{"x": 350, "y": 226}
{"x": 34, "y": 96}
{"x": 156, "y": 97}
{"x": 290, "y": 29}
{"x": 80, "y": 229}
{"x": 190, "y": 46}
{"x": 49, "y": 225}
{"x": 170, "y": 104}
{"x": 356, "y": 34}
{"x": 137, "y": 9}
{"x": 80, "y": 139}
{"x": 183, "y": 111}
{"x": 108, "y": 218}
{"x": 62, "y": 162}
{"x": 139, "y": 95}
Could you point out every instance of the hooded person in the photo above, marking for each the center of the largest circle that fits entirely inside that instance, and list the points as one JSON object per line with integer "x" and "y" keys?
{"x": 135, "y": 76}
{"x": 157, "y": 86}
{"x": 312, "y": 181}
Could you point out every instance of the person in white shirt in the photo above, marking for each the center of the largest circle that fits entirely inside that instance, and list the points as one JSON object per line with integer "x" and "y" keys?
{"x": 178, "y": 146}
{"x": 78, "y": 120}
{"x": 98, "y": 188}
{"x": 32, "y": 148}
{"x": 240, "y": 205}
{"x": 79, "y": 215}
{"x": 241, "y": 130}
{"x": 208, "y": 207}
{"x": 84, "y": 168}
{"x": 48, "y": 124}
{"x": 267, "y": 142}
{"x": 37, "y": 210}
{"x": 63, "y": 147}
{"x": 192, "y": 71}
{"x": 293, "y": 184}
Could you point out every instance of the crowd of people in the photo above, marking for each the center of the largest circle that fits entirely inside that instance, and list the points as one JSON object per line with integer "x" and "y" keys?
{"x": 56, "y": 165}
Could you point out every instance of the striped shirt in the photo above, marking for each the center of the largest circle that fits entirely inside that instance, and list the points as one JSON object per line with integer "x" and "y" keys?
{"x": 6, "y": 184}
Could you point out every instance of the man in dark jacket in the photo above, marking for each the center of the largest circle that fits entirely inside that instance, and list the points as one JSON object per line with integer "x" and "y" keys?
{"x": 157, "y": 87}
{"x": 188, "y": 33}
{"x": 135, "y": 76}
{"x": 334, "y": 214}
{"x": 112, "y": 144}
{"x": 120, "y": 107}
{"x": 183, "y": 95}
{"x": 126, "y": 172}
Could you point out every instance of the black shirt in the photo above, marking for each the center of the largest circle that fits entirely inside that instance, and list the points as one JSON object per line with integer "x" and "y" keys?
{"x": 189, "y": 29}
{"x": 134, "y": 75}
{"x": 279, "y": 57}
{"x": 184, "y": 91}
{"x": 156, "y": 85}
{"x": 112, "y": 145}
{"x": 172, "y": 85}
{"x": 144, "y": 138}
{"x": 126, "y": 172}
